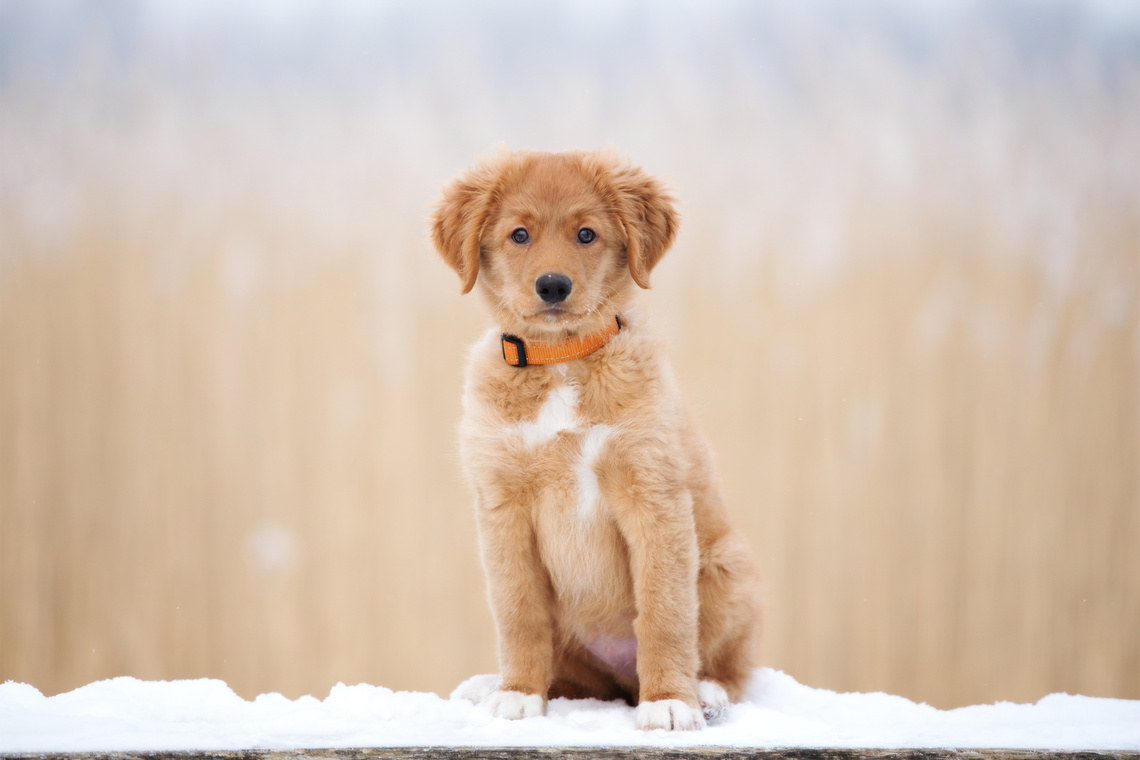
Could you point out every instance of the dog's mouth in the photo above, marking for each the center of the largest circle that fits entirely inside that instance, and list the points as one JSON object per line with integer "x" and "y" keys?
{"x": 554, "y": 314}
{"x": 554, "y": 318}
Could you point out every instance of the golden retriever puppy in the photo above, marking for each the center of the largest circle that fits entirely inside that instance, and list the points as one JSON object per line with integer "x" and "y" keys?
{"x": 611, "y": 567}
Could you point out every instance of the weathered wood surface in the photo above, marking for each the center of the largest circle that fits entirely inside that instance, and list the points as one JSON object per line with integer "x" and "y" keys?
{"x": 589, "y": 753}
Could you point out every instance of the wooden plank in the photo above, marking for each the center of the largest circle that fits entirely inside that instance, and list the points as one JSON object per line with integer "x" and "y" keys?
{"x": 589, "y": 753}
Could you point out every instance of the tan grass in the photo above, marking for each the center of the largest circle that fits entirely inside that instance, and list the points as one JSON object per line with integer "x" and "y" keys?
{"x": 230, "y": 369}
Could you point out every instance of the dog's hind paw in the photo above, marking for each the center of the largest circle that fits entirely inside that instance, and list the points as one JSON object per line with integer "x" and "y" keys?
{"x": 476, "y": 688}
{"x": 513, "y": 705}
{"x": 713, "y": 698}
{"x": 670, "y": 714}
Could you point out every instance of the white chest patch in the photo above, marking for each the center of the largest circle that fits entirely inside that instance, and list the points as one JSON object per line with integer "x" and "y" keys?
{"x": 593, "y": 442}
{"x": 559, "y": 414}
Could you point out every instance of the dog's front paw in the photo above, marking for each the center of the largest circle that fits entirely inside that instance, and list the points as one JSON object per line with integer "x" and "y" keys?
{"x": 670, "y": 714}
{"x": 713, "y": 699}
{"x": 514, "y": 704}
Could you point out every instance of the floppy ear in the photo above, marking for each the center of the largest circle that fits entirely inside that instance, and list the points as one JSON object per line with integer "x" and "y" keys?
{"x": 458, "y": 222}
{"x": 645, "y": 209}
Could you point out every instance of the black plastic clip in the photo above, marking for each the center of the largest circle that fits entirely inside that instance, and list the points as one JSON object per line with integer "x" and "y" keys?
{"x": 520, "y": 349}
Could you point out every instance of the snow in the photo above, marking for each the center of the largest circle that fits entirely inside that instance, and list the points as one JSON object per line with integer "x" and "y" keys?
{"x": 126, "y": 714}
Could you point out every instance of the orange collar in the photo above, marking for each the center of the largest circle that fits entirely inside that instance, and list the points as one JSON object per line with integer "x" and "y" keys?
{"x": 519, "y": 353}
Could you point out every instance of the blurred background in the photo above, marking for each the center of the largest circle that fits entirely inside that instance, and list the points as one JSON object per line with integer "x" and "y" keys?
{"x": 905, "y": 304}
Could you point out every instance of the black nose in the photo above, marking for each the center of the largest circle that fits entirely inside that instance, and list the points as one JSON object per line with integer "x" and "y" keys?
{"x": 553, "y": 288}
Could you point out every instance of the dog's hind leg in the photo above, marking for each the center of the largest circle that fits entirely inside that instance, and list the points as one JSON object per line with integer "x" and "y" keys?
{"x": 730, "y": 606}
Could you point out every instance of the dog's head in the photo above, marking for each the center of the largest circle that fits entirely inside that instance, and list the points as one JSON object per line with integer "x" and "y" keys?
{"x": 555, "y": 240}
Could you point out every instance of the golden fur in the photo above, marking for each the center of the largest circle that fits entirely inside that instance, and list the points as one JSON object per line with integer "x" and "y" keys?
{"x": 601, "y": 523}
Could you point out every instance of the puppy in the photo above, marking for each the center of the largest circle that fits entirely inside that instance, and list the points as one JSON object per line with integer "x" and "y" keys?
{"x": 611, "y": 567}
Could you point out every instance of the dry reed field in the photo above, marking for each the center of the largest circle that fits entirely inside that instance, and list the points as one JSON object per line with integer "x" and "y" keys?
{"x": 905, "y": 304}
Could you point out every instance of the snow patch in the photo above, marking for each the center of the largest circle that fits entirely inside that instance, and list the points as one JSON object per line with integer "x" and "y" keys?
{"x": 125, "y": 714}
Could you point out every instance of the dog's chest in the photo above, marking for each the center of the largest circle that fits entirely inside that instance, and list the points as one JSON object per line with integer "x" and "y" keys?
{"x": 555, "y": 452}
{"x": 558, "y": 447}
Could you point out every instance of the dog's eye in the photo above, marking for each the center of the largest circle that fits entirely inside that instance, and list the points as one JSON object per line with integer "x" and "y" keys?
{"x": 520, "y": 235}
{"x": 586, "y": 236}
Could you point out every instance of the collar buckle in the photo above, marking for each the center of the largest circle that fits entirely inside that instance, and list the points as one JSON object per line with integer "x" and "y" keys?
{"x": 520, "y": 350}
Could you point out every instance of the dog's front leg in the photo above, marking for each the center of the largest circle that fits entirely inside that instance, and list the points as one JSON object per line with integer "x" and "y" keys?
{"x": 521, "y": 602}
{"x": 656, "y": 520}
